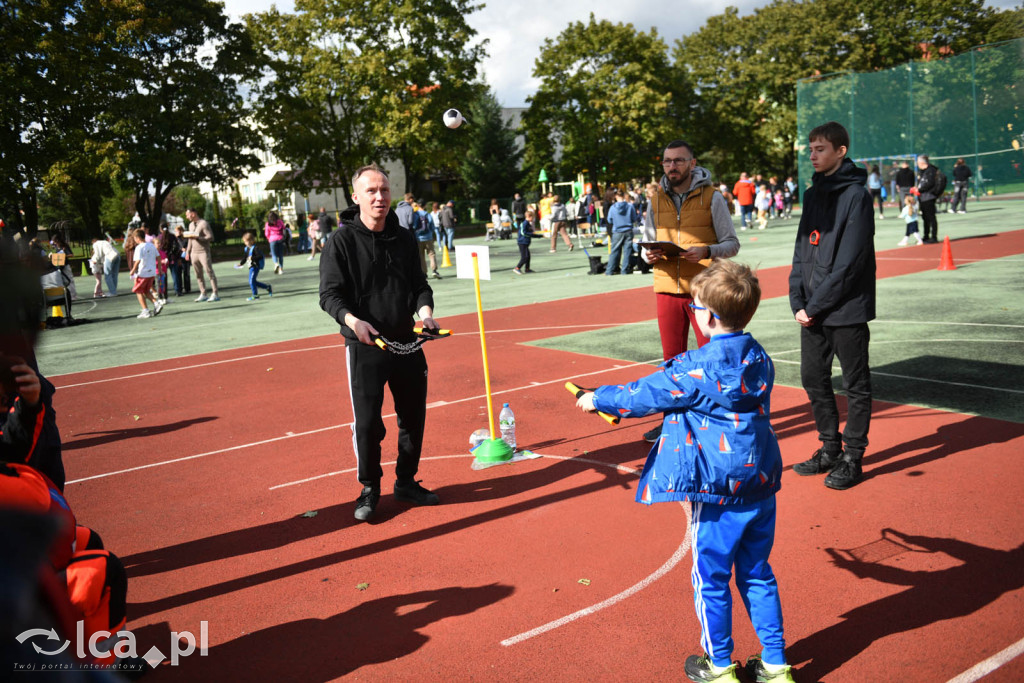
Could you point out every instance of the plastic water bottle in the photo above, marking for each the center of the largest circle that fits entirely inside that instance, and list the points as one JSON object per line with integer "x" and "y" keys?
{"x": 507, "y": 425}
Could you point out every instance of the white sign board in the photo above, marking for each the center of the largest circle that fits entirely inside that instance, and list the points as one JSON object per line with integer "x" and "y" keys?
{"x": 464, "y": 261}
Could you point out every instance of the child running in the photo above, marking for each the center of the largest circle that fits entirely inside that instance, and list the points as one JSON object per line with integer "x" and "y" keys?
{"x": 763, "y": 201}
{"x": 909, "y": 214}
{"x": 717, "y": 450}
{"x": 144, "y": 272}
{"x": 254, "y": 259}
{"x": 525, "y": 236}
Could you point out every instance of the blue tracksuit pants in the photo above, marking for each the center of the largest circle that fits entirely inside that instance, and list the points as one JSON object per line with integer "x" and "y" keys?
{"x": 740, "y": 536}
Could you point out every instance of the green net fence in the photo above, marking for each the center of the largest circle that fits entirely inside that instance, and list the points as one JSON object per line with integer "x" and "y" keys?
{"x": 968, "y": 106}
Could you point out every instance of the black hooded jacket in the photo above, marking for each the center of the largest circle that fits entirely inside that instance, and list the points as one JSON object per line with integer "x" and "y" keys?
{"x": 375, "y": 276}
{"x": 834, "y": 280}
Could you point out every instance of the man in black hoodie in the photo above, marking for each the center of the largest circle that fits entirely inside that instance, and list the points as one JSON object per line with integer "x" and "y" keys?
{"x": 372, "y": 285}
{"x": 832, "y": 294}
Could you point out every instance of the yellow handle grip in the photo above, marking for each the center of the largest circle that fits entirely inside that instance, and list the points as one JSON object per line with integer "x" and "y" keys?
{"x": 577, "y": 392}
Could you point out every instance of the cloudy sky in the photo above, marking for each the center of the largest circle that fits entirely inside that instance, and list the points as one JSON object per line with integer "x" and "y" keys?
{"x": 517, "y": 28}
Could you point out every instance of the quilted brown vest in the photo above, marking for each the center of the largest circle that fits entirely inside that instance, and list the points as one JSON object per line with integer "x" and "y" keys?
{"x": 690, "y": 227}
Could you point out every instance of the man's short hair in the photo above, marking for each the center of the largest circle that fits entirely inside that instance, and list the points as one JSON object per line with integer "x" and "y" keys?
{"x": 408, "y": 197}
{"x": 365, "y": 169}
{"x": 192, "y": 209}
{"x": 730, "y": 290}
{"x": 927, "y": 160}
{"x": 832, "y": 132}
{"x": 676, "y": 144}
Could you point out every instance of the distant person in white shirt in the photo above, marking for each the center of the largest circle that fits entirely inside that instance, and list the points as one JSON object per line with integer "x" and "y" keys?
{"x": 105, "y": 262}
{"x": 144, "y": 272}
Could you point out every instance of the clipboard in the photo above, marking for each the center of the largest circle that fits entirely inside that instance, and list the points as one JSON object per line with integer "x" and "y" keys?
{"x": 670, "y": 249}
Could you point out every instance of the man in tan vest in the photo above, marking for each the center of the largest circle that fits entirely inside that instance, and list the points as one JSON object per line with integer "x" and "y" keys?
{"x": 689, "y": 212}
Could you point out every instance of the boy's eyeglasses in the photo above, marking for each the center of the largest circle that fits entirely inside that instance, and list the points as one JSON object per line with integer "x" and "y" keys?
{"x": 695, "y": 307}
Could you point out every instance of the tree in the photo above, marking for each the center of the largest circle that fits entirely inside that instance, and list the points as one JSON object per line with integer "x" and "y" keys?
{"x": 608, "y": 97}
{"x": 491, "y": 164}
{"x": 349, "y": 82}
{"x": 745, "y": 69}
{"x": 185, "y": 119}
{"x": 54, "y": 73}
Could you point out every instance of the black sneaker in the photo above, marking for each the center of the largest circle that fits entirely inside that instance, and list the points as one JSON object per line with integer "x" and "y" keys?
{"x": 756, "y": 670}
{"x": 820, "y": 463}
{"x": 412, "y": 492}
{"x": 846, "y": 474}
{"x": 698, "y": 668}
{"x": 366, "y": 504}
{"x": 652, "y": 436}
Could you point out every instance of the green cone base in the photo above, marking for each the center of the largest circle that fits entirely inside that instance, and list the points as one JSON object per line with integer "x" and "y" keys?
{"x": 493, "y": 450}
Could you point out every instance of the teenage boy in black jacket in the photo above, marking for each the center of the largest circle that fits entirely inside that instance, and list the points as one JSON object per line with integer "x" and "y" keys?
{"x": 832, "y": 294}
{"x": 371, "y": 284}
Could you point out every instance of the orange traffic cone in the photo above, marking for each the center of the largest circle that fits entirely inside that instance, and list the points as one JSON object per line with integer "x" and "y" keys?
{"x": 947, "y": 256}
{"x": 446, "y": 262}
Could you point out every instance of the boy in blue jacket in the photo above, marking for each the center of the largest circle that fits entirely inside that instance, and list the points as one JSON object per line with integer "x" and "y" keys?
{"x": 253, "y": 258}
{"x": 525, "y": 235}
{"x": 717, "y": 450}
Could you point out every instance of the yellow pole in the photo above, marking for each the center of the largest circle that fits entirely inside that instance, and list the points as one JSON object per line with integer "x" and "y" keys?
{"x": 483, "y": 343}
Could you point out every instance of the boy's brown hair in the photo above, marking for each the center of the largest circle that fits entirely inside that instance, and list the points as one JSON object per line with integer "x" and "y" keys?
{"x": 140, "y": 234}
{"x": 249, "y": 234}
{"x": 831, "y": 132}
{"x": 730, "y": 290}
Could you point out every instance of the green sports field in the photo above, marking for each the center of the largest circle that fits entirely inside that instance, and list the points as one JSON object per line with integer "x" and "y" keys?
{"x": 945, "y": 339}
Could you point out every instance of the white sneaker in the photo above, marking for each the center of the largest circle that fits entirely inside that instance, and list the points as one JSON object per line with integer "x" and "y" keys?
{"x": 961, "y": 212}
{"x": 311, "y": 256}
{"x": 214, "y": 298}
{"x": 146, "y": 313}
{"x": 881, "y": 218}
{"x": 157, "y": 307}
{"x": 902, "y": 242}
{"x": 201, "y": 297}
{"x": 162, "y": 302}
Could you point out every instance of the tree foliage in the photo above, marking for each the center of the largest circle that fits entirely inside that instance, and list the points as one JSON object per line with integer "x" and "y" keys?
{"x": 185, "y": 121}
{"x": 351, "y": 81}
{"x": 491, "y": 164}
{"x": 141, "y": 92}
{"x": 608, "y": 98}
{"x": 745, "y": 69}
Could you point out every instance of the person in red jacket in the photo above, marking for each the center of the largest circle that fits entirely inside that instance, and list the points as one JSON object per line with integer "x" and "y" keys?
{"x": 745, "y": 190}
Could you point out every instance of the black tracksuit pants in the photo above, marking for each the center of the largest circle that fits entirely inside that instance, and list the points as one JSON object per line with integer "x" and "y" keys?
{"x": 849, "y": 343}
{"x": 369, "y": 369}
{"x": 931, "y": 223}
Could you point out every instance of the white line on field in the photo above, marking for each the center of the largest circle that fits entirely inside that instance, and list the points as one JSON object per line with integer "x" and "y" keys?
{"x": 987, "y": 666}
{"x": 332, "y": 427}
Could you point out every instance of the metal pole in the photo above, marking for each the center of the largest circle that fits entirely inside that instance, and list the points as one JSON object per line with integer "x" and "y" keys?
{"x": 974, "y": 104}
{"x": 910, "y": 110}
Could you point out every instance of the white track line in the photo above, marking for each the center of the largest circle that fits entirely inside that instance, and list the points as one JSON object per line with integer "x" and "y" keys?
{"x": 315, "y": 348}
{"x": 193, "y": 367}
{"x": 339, "y": 426}
{"x": 289, "y": 435}
{"x": 987, "y": 666}
{"x": 676, "y": 558}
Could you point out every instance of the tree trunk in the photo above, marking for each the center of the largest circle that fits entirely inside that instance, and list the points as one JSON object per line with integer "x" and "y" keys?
{"x": 30, "y": 207}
